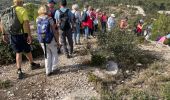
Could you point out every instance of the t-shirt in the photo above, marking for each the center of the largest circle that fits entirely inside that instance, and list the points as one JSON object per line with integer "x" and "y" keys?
{"x": 104, "y": 18}
{"x": 57, "y": 14}
{"x": 21, "y": 14}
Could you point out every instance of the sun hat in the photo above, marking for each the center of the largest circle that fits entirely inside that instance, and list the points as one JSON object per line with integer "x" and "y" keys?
{"x": 112, "y": 15}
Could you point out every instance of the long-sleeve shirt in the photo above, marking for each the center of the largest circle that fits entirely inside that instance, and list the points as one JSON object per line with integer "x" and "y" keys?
{"x": 111, "y": 22}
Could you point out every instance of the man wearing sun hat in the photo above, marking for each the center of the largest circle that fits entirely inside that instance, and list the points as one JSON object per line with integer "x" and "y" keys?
{"x": 111, "y": 22}
{"x": 20, "y": 42}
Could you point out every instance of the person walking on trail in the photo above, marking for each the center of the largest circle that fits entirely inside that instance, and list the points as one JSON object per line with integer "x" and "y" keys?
{"x": 65, "y": 21}
{"x": 77, "y": 15}
{"x": 124, "y": 24}
{"x": 111, "y": 22}
{"x": 96, "y": 21}
{"x": 92, "y": 16}
{"x": 139, "y": 28}
{"x": 20, "y": 35}
{"x": 148, "y": 32}
{"x": 48, "y": 39}
{"x": 51, "y": 9}
{"x": 104, "y": 22}
{"x": 85, "y": 22}
{"x": 51, "y": 13}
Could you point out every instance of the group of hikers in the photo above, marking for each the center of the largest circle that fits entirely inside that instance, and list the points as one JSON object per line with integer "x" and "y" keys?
{"x": 57, "y": 30}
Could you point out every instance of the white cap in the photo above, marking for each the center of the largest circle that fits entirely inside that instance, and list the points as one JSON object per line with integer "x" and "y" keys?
{"x": 112, "y": 15}
{"x": 75, "y": 7}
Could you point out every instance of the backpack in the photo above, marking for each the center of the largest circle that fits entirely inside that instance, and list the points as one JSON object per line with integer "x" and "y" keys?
{"x": 52, "y": 14}
{"x": 10, "y": 22}
{"x": 84, "y": 16}
{"x": 64, "y": 20}
{"x": 45, "y": 35}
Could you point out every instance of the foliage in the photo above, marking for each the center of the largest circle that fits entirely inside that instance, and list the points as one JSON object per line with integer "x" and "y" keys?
{"x": 97, "y": 59}
{"x": 5, "y": 84}
{"x": 32, "y": 11}
{"x": 121, "y": 46}
{"x": 161, "y": 27}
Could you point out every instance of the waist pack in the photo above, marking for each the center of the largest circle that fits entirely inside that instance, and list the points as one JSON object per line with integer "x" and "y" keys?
{"x": 10, "y": 22}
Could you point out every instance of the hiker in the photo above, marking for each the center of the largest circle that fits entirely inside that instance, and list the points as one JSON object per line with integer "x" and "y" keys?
{"x": 147, "y": 32}
{"x": 76, "y": 34}
{"x": 85, "y": 22}
{"x": 111, "y": 22}
{"x": 139, "y": 28}
{"x": 51, "y": 9}
{"x": 64, "y": 20}
{"x": 124, "y": 24}
{"x": 51, "y": 13}
{"x": 20, "y": 35}
{"x": 48, "y": 39}
{"x": 96, "y": 22}
{"x": 104, "y": 22}
{"x": 92, "y": 16}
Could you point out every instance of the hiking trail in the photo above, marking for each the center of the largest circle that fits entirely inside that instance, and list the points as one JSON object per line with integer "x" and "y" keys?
{"x": 71, "y": 83}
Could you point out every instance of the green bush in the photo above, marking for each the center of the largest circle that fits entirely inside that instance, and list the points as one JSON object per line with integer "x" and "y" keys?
{"x": 97, "y": 60}
{"x": 121, "y": 46}
{"x": 160, "y": 27}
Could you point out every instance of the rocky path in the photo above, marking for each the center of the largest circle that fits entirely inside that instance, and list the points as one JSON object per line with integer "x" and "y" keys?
{"x": 159, "y": 49}
{"x": 71, "y": 83}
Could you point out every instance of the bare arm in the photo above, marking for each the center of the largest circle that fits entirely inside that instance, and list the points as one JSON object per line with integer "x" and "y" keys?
{"x": 26, "y": 27}
{"x": 56, "y": 33}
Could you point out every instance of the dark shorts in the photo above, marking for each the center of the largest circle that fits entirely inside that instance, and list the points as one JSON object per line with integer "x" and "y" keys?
{"x": 19, "y": 43}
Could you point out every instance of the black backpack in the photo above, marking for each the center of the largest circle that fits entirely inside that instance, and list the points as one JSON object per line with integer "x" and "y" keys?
{"x": 64, "y": 20}
{"x": 84, "y": 16}
{"x": 10, "y": 22}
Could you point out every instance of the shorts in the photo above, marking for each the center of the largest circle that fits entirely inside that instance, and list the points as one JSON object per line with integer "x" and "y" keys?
{"x": 19, "y": 43}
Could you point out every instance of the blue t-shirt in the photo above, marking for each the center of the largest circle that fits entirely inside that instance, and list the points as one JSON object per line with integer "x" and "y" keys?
{"x": 57, "y": 14}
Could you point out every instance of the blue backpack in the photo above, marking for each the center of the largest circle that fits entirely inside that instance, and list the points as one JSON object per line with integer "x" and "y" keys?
{"x": 44, "y": 32}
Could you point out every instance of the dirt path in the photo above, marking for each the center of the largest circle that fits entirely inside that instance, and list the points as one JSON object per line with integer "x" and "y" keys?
{"x": 71, "y": 83}
{"x": 161, "y": 50}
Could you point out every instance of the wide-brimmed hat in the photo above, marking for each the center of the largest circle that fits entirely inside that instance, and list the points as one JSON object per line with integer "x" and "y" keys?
{"x": 113, "y": 15}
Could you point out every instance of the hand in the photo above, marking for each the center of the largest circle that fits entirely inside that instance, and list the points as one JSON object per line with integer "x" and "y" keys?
{"x": 29, "y": 39}
{"x": 58, "y": 45}
{"x": 5, "y": 38}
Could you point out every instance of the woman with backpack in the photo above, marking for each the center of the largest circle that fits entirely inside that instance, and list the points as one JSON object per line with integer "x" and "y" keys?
{"x": 48, "y": 38}
{"x": 77, "y": 15}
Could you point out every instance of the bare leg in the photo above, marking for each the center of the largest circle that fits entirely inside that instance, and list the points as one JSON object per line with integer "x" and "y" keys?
{"x": 29, "y": 57}
{"x": 18, "y": 60}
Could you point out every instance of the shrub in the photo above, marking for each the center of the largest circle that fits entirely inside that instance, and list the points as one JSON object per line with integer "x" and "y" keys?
{"x": 160, "y": 27}
{"x": 121, "y": 46}
{"x": 5, "y": 84}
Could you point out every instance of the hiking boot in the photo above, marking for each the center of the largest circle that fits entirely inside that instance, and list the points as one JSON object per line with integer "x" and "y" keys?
{"x": 68, "y": 56}
{"x": 20, "y": 74}
{"x": 34, "y": 66}
{"x": 49, "y": 74}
